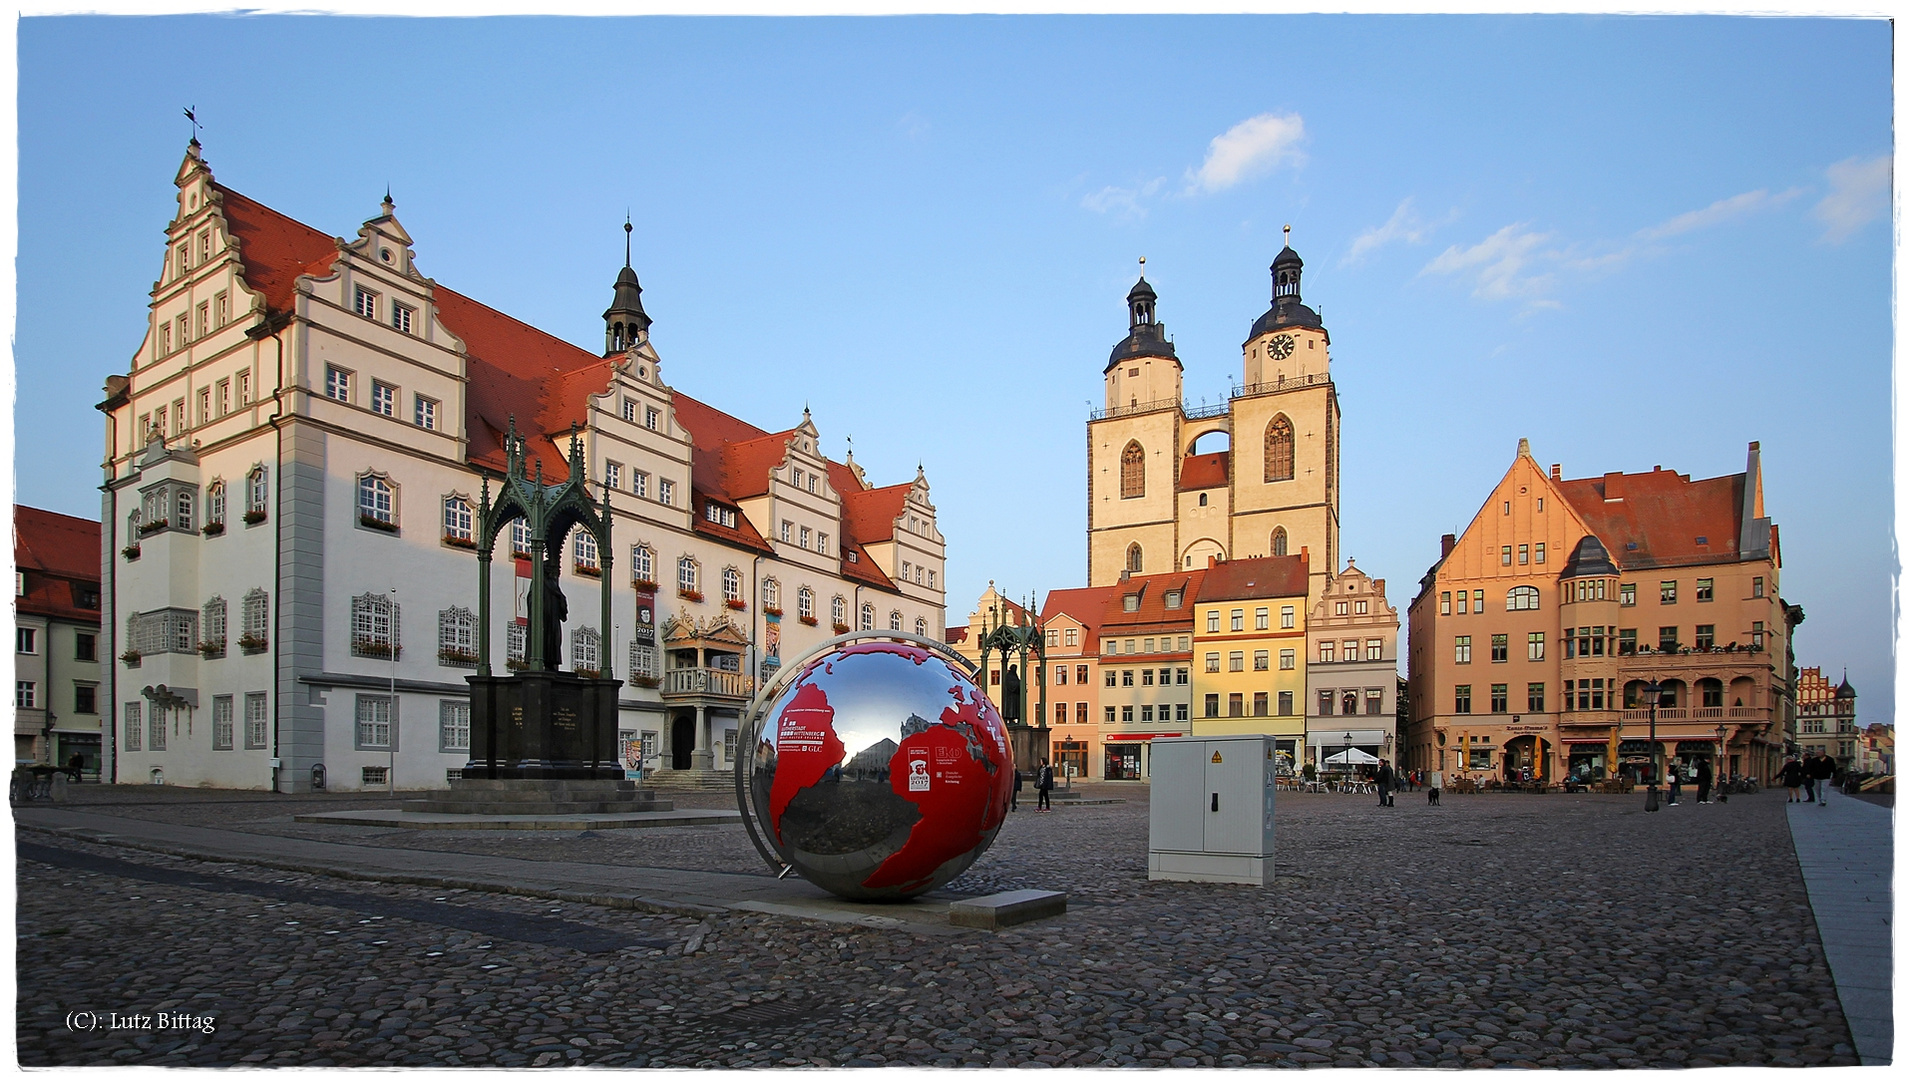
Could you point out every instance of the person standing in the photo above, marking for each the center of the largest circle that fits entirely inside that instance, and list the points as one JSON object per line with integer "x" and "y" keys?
{"x": 1044, "y": 783}
{"x": 1014, "y": 794}
{"x": 1792, "y": 776}
{"x": 1824, "y": 772}
{"x": 1385, "y": 783}
{"x": 1703, "y": 781}
{"x": 1808, "y": 769}
{"x": 1676, "y": 778}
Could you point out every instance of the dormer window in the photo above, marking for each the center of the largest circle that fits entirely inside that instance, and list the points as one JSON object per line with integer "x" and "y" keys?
{"x": 1130, "y": 602}
{"x": 720, "y": 515}
{"x": 1173, "y": 600}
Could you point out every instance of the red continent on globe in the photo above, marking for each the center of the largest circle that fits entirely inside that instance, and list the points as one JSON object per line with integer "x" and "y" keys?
{"x": 806, "y": 748}
{"x": 962, "y": 800}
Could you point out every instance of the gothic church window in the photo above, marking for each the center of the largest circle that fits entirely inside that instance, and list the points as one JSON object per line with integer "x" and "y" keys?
{"x": 1279, "y": 450}
{"x": 1133, "y": 472}
{"x": 1133, "y": 558}
{"x": 1279, "y": 541}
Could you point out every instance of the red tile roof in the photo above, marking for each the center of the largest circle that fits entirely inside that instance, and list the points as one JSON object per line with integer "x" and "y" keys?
{"x": 1662, "y": 512}
{"x": 871, "y": 514}
{"x": 1253, "y": 579}
{"x": 56, "y": 552}
{"x": 1204, "y": 470}
{"x": 1084, "y": 606}
{"x": 518, "y": 371}
{"x": 1152, "y": 590}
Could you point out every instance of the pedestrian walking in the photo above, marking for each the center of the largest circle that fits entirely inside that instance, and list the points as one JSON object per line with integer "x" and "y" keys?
{"x": 1823, "y": 772}
{"x": 1676, "y": 778}
{"x": 1385, "y": 783}
{"x": 75, "y": 766}
{"x": 1792, "y": 776}
{"x": 1014, "y": 794}
{"x": 1703, "y": 781}
{"x": 1808, "y": 766}
{"x": 1044, "y": 783}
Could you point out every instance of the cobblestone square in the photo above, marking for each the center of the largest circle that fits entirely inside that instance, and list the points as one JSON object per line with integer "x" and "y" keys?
{"x": 1513, "y": 930}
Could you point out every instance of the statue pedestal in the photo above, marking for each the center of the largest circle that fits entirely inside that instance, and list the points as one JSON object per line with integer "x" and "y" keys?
{"x": 543, "y": 725}
{"x": 1030, "y": 746}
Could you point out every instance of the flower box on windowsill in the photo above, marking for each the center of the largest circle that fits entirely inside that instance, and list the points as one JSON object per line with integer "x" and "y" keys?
{"x": 587, "y": 571}
{"x": 213, "y": 528}
{"x": 456, "y": 657}
{"x": 691, "y": 595}
{"x": 251, "y": 644}
{"x": 253, "y": 517}
{"x": 131, "y": 551}
{"x": 841, "y": 628}
{"x": 644, "y": 585}
{"x": 517, "y": 665}
{"x": 461, "y": 542}
{"x": 376, "y": 650}
{"x": 776, "y": 611}
{"x": 735, "y": 605}
{"x": 588, "y": 672}
{"x": 130, "y": 658}
{"x": 379, "y": 524}
{"x": 147, "y": 528}
{"x": 805, "y": 620}
{"x": 647, "y": 682}
{"x": 212, "y": 650}
{"x": 517, "y": 553}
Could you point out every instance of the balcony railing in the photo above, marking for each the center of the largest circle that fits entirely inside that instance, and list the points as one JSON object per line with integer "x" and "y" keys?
{"x": 1189, "y": 411}
{"x": 712, "y": 682}
{"x": 1274, "y": 387}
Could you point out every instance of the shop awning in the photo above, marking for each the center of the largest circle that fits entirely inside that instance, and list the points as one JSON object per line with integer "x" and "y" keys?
{"x": 1143, "y": 736}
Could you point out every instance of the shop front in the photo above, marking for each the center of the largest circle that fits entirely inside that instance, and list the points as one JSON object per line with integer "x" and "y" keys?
{"x": 1589, "y": 761}
{"x": 1126, "y": 757}
{"x": 1326, "y": 747}
{"x": 1070, "y": 759}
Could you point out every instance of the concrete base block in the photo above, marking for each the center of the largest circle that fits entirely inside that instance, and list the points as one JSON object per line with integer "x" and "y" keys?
{"x": 1006, "y": 909}
{"x": 1197, "y": 866}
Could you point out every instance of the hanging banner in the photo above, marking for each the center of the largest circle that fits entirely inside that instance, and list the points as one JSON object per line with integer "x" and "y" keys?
{"x": 772, "y": 641}
{"x": 522, "y": 610}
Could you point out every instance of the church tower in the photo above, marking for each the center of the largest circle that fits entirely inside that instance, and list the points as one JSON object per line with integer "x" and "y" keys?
{"x": 1133, "y": 451}
{"x": 625, "y": 324}
{"x": 1285, "y": 432}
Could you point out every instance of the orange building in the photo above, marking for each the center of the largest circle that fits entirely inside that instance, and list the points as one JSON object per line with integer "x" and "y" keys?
{"x": 1533, "y": 636}
{"x": 1071, "y": 621}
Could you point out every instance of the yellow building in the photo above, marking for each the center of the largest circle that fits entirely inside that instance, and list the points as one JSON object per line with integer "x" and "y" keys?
{"x": 1154, "y": 505}
{"x": 1249, "y": 644}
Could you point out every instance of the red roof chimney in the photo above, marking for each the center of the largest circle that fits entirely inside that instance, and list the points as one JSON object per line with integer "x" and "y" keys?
{"x": 1557, "y": 471}
{"x": 1445, "y": 545}
{"x": 1212, "y": 561}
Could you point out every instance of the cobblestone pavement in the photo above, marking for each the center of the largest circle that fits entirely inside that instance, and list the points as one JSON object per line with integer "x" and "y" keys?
{"x": 1495, "y": 930}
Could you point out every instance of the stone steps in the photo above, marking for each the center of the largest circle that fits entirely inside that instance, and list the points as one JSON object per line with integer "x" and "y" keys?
{"x": 691, "y": 780}
{"x": 494, "y": 797}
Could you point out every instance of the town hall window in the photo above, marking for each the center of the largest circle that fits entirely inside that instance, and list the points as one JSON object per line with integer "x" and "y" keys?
{"x": 1133, "y": 472}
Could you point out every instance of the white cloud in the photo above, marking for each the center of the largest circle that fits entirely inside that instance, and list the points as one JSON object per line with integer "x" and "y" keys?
{"x": 1249, "y": 148}
{"x": 1124, "y": 202}
{"x": 1498, "y": 264}
{"x": 1405, "y": 225}
{"x": 1719, "y": 212}
{"x": 1859, "y": 194}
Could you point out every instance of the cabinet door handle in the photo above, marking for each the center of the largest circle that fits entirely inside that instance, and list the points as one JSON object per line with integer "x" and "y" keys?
{"x": 1216, "y": 802}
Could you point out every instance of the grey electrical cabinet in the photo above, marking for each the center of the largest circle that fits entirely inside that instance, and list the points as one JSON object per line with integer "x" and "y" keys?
{"x": 1211, "y": 812}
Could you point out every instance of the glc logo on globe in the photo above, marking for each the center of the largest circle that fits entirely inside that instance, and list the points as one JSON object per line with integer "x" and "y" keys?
{"x": 918, "y": 774}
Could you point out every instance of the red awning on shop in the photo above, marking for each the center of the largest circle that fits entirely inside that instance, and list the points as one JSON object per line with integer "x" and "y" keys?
{"x": 1144, "y": 737}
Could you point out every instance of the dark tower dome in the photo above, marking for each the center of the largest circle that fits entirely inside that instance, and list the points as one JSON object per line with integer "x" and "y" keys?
{"x": 1146, "y": 336}
{"x": 1845, "y": 691}
{"x": 625, "y": 323}
{"x": 1287, "y": 310}
{"x": 1588, "y": 559}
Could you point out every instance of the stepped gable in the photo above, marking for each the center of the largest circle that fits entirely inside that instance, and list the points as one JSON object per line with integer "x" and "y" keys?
{"x": 515, "y": 370}
{"x": 1663, "y": 513}
{"x": 1200, "y": 471}
{"x": 55, "y": 551}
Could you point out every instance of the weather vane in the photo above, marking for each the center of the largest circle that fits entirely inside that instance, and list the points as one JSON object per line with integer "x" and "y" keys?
{"x": 195, "y": 122}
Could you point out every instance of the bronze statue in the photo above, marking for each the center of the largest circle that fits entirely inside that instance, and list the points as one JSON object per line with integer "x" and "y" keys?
{"x": 1011, "y": 695}
{"x": 556, "y": 610}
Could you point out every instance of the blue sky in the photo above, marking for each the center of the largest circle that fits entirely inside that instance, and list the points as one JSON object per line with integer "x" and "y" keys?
{"x": 1636, "y": 241}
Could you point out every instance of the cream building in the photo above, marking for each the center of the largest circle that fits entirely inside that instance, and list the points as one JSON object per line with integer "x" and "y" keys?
{"x": 1352, "y": 640}
{"x": 293, "y": 465}
{"x": 1153, "y": 505}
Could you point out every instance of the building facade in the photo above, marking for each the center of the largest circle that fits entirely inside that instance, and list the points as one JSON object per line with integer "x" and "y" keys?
{"x": 1070, "y": 619}
{"x": 1249, "y": 645}
{"x": 57, "y": 698}
{"x": 1533, "y": 636}
{"x": 1146, "y": 667}
{"x": 1352, "y": 669}
{"x": 294, "y": 464}
{"x": 1826, "y": 718}
{"x": 1155, "y": 505}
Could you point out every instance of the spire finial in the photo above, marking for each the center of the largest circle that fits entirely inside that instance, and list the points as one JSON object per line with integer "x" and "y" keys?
{"x": 627, "y": 229}
{"x": 1289, "y": 236}
{"x": 1143, "y": 266}
{"x": 192, "y": 115}
{"x": 387, "y": 206}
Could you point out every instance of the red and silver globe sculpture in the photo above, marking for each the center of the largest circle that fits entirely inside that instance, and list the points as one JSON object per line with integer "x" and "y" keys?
{"x": 874, "y": 767}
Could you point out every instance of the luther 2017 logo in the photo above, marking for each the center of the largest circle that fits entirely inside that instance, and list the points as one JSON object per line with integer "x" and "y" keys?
{"x": 918, "y": 775}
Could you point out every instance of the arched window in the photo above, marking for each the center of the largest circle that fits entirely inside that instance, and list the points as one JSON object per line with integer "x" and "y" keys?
{"x": 894, "y": 620}
{"x": 584, "y": 551}
{"x": 921, "y": 626}
{"x": 1522, "y": 598}
{"x": 457, "y": 519}
{"x": 456, "y": 637}
{"x": 257, "y": 632}
{"x": 215, "y": 503}
{"x": 374, "y": 626}
{"x": 1133, "y": 471}
{"x": 868, "y": 616}
{"x": 642, "y": 565}
{"x": 1279, "y": 541}
{"x": 805, "y": 604}
{"x": 212, "y": 628}
{"x": 688, "y": 575}
{"x": 1279, "y": 449}
{"x": 838, "y": 612}
{"x": 732, "y": 585}
{"x": 1133, "y": 558}
{"x": 771, "y": 595}
{"x": 255, "y": 495}
{"x": 586, "y": 647}
{"x": 377, "y": 501}
{"x": 519, "y": 538}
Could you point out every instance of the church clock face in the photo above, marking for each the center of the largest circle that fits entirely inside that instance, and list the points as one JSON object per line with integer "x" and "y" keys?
{"x": 1280, "y": 347}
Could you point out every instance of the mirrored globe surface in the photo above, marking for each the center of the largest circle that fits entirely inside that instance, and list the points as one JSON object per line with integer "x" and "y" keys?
{"x": 880, "y": 771}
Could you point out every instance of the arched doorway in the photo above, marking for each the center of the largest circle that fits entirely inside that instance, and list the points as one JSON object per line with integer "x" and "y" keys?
{"x": 682, "y": 741}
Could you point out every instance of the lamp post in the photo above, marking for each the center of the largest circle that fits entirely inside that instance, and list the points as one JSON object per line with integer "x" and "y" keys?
{"x": 1348, "y": 756}
{"x": 391, "y": 719}
{"x": 1652, "y": 690}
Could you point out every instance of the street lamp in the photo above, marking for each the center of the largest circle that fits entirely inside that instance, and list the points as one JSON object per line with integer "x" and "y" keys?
{"x": 1652, "y": 691}
{"x": 1723, "y": 759}
{"x": 1348, "y": 757}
